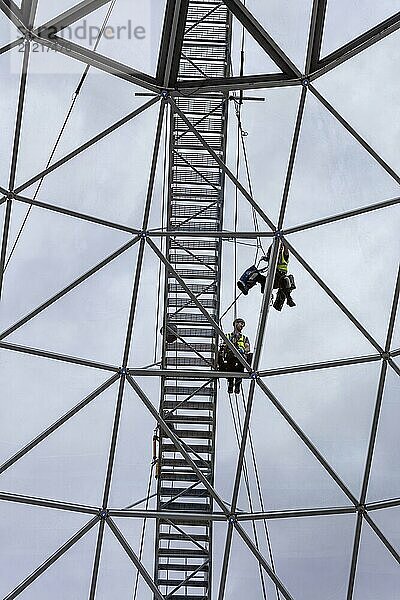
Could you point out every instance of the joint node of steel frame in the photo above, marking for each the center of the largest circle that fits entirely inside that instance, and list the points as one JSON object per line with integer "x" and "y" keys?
{"x": 103, "y": 514}
{"x": 232, "y": 519}
{"x": 305, "y": 82}
{"x": 143, "y": 235}
{"x": 362, "y": 509}
{"x": 385, "y": 355}
{"x": 254, "y": 375}
{"x": 123, "y": 371}
{"x": 11, "y": 196}
{"x": 278, "y": 234}
{"x": 164, "y": 93}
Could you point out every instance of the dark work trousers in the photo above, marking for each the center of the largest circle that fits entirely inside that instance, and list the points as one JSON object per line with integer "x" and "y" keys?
{"x": 283, "y": 292}
{"x": 233, "y": 364}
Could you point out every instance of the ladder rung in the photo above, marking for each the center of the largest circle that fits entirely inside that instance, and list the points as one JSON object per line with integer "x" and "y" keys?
{"x": 195, "y": 553}
{"x": 184, "y": 492}
{"x": 190, "y": 583}
{"x": 193, "y": 433}
{"x": 176, "y": 476}
{"x": 187, "y": 332}
{"x": 195, "y": 244}
{"x": 171, "y": 404}
{"x": 198, "y": 537}
{"x": 181, "y": 462}
{"x": 199, "y": 448}
{"x": 189, "y": 419}
{"x": 180, "y": 390}
{"x": 181, "y": 567}
{"x": 185, "y": 361}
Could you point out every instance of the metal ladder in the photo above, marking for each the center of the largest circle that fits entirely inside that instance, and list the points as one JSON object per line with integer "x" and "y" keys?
{"x": 195, "y": 204}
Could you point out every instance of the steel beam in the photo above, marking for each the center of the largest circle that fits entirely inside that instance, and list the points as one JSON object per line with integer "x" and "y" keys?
{"x": 225, "y": 235}
{"x": 87, "y": 144}
{"x": 4, "y": 241}
{"x": 335, "y": 299}
{"x": 292, "y": 156}
{"x": 177, "y": 443}
{"x": 171, "y": 42}
{"x": 394, "y": 366}
{"x": 69, "y": 287}
{"x": 52, "y": 559}
{"x": 221, "y": 164}
{"x": 58, "y": 423}
{"x": 99, "y": 61}
{"x": 354, "y": 557}
{"x": 46, "y": 503}
{"x": 252, "y": 547}
{"x": 345, "y": 215}
{"x": 296, "y": 513}
{"x": 227, "y": 84}
{"x": 390, "y": 503}
{"x": 76, "y": 215}
{"x": 239, "y": 466}
{"x": 331, "y": 364}
{"x": 28, "y": 10}
{"x": 393, "y": 312}
{"x": 374, "y": 430}
{"x": 262, "y": 38}
{"x": 18, "y": 121}
{"x": 96, "y": 560}
{"x": 360, "y": 43}
{"x": 315, "y": 35}
{"x": 60, "y": 357}
{"x": 11, "y": 45}
{"x": 138, "y": 564}
{"x": 355, "y": 135}
{"x": 382, "y": 537}
{"x": 13, "y": 13}
{"x": 166, "y": 514}
{"x": 70, "y": 16}
{"x": 308, "y": 443}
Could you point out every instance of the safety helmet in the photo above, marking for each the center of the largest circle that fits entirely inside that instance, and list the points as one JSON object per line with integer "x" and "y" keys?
{"x": 239, "y": 320}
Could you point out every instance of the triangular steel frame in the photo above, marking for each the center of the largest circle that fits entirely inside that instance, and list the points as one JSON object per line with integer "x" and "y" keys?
{"x": 164, "y": 87}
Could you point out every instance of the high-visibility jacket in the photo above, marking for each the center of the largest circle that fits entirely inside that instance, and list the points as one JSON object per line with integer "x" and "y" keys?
{"x": 239, "y": 342}
{"x": 282, "y": 262}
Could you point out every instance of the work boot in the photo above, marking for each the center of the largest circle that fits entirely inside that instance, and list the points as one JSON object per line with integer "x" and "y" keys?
{"x": 290, "y": 301}
{"x": 279, "y": 302}
{"x": 237, "y": 388}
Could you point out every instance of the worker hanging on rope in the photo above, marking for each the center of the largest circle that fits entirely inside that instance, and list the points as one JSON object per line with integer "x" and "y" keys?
{"x": 283, "y": 282}
{"x": 227, "y": 361}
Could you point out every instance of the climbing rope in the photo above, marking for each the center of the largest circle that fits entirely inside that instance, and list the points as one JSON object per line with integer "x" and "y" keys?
{"x": 259, "y": 491}
{"x": 237, "y": 427}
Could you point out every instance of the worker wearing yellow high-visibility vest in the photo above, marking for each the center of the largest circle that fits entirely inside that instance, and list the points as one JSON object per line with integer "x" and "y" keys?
{"x": 228, "y": 361}
{"x": 283, "y": 282}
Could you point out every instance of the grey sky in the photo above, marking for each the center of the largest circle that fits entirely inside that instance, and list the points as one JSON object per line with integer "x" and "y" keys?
{"x": 357, "y": 258}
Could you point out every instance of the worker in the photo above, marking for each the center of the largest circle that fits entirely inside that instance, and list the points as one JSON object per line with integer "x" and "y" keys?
{"x": 283, "y": 282}
{"x": 251, "y": 277}
{"x": 227, "y": 359}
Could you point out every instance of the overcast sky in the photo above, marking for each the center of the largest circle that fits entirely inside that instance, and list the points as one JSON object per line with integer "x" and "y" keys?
{"x": 357, "y": 258}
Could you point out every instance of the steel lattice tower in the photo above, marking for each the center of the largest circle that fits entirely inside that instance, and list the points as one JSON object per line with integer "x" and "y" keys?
{"x": 192, "y": 88}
